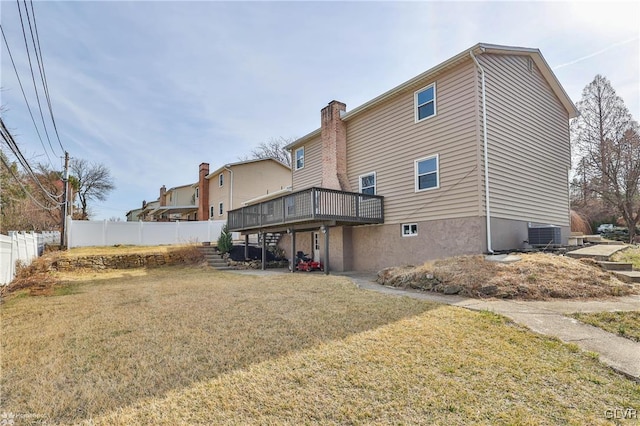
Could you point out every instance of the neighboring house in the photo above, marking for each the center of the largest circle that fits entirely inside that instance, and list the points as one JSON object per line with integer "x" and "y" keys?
{"x": 146, "y": 213}
{"x": 178, "y": 203}
{"x": 461, "y": 159}
{"x": 209, "y": 199}
{"x": 135, "y": 214}
{"x": 231, "y": 185}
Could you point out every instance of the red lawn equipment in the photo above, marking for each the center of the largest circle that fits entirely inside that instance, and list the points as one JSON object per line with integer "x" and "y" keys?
{"x": 305, "y": 263}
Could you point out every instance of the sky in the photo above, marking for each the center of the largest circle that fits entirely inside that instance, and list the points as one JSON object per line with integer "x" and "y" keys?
{"x": 151, "y": 89}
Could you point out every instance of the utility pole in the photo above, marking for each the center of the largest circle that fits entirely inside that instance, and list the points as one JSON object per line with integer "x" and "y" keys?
{"x": 65, "y": 183}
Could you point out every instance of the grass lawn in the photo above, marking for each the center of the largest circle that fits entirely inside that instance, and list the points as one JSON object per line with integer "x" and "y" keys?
{"x": 630, "y": 255}
{"x": 625, "y": 324}
{"x": 195, "y": 346}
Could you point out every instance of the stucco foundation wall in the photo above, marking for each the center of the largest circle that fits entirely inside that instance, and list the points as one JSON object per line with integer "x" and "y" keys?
{"x": 511, "y": 234}
{"x": 379, "y": 246}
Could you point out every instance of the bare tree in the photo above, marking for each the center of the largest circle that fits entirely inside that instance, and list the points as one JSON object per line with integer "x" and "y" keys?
{"x": 273, "y": 148}
{"x": 94, "y": 182}
{"x": 606, "y": 139}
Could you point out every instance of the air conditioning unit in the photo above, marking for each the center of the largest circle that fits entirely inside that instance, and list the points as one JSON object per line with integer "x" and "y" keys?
{"x": 547, "y": 235}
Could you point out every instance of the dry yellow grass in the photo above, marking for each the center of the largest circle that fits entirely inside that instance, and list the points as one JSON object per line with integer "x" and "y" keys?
{"x": 630, "y": 255}
{"x": 536, "y": 276}
{"x": 119, "y": 250}
{"x": 625, "y": 324}
{"x": 195, "y": 346}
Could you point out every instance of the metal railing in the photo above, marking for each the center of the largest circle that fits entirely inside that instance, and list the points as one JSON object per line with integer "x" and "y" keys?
{"x": 308, "y": 205}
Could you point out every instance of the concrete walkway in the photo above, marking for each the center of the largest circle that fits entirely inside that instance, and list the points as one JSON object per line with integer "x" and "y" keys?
{"x": 597, "y": 252}
{"x": 545, "y": 317}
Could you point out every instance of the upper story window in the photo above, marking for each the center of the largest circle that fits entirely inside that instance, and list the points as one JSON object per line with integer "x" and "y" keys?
{"x": 425, "y": 102}
{"x": 368, "y": 183}
{"x": 427, "y": 173}
{"x": 221, "y": 179}
{"x": 197, "y": 192}
{"x": 299, "y": 158}
{"x": 220, "y": 209}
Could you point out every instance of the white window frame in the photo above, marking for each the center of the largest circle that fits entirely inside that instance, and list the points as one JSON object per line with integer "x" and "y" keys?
{"x": 416, "y": 105}
{"x": 375, "y": 182}
{"x": 409, "y": 229}
{"x": 211, "y": 211}
{"x": 221, "y": 179}
{"x": 416, "y": 177}
{"x": 220, "y": 208}
{"x": 197, "y": 192}
{"x": 301, "y": 149}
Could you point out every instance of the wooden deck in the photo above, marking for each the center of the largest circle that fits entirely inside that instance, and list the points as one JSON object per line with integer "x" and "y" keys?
{"x": 311, "y": 205}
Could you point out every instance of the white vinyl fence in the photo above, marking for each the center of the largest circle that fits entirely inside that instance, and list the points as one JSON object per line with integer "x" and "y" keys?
{"x": 83, "y": 233}
{"x": 23, "y": 247}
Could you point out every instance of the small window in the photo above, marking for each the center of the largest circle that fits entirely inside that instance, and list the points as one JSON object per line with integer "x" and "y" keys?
{"x": 409, "y": 229}
{"x": 299, "y": 158}
{"x": 220, "y": 209}
{"x": 368, "y": 184}
{"x": 426, "y": 171}
{"x": 211, "y": 211}
{"x": 425, "y": 102}
{"x": 221, "y": 179}
{"x": 197, "y": 192}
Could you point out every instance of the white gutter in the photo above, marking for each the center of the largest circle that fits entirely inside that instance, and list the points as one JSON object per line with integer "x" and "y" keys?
{"x": 486, "y": 152}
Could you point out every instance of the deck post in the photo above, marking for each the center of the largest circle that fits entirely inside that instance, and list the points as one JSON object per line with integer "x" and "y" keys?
{"x": 293, "y": 249}
{"x": 325, "y": 231}
{"x": 264, "y": 250}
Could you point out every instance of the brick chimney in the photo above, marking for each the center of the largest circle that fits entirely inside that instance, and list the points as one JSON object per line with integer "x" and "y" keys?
{"x": 203, "y": 192}
{"x": 163, "y": 195}
{"x": 334, "y": 147}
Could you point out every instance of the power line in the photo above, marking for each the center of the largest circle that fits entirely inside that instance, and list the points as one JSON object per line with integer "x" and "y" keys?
{"x": 26, "y": 190}
{"x": 33, "y": 78}
{"x": 24, "y": 95}
{"x": 43, "y": 74}
{"x": 13, "y": 146}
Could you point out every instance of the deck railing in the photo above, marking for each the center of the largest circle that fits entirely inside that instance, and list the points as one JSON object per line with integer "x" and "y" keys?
{"x": 309, "y": 205}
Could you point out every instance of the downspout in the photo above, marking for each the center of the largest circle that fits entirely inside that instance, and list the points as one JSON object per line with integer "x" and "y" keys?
{"x": 486, "y": 152}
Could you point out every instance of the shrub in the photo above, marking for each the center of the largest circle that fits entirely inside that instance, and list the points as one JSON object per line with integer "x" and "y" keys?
{"x": 225, "y": 241}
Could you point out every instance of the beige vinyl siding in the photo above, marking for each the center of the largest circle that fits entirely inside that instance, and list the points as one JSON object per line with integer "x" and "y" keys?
{"x": 311, "y": 174}
{"x": 219, "y": 194}
{"x": 529, "y": 148}
{"x": 249, "y": 181}
{"x": 183, "y": 196}
{"x": 387, "y": 140}
{"x": 252, "y": 180}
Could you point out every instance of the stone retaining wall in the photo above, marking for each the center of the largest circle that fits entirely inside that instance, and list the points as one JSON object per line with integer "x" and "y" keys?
{"x": 119, "y": 261}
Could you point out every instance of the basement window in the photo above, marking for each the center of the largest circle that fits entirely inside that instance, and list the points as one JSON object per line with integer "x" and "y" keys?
{"x": 425, "y": 102}
{"x": 409, "y": 229}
